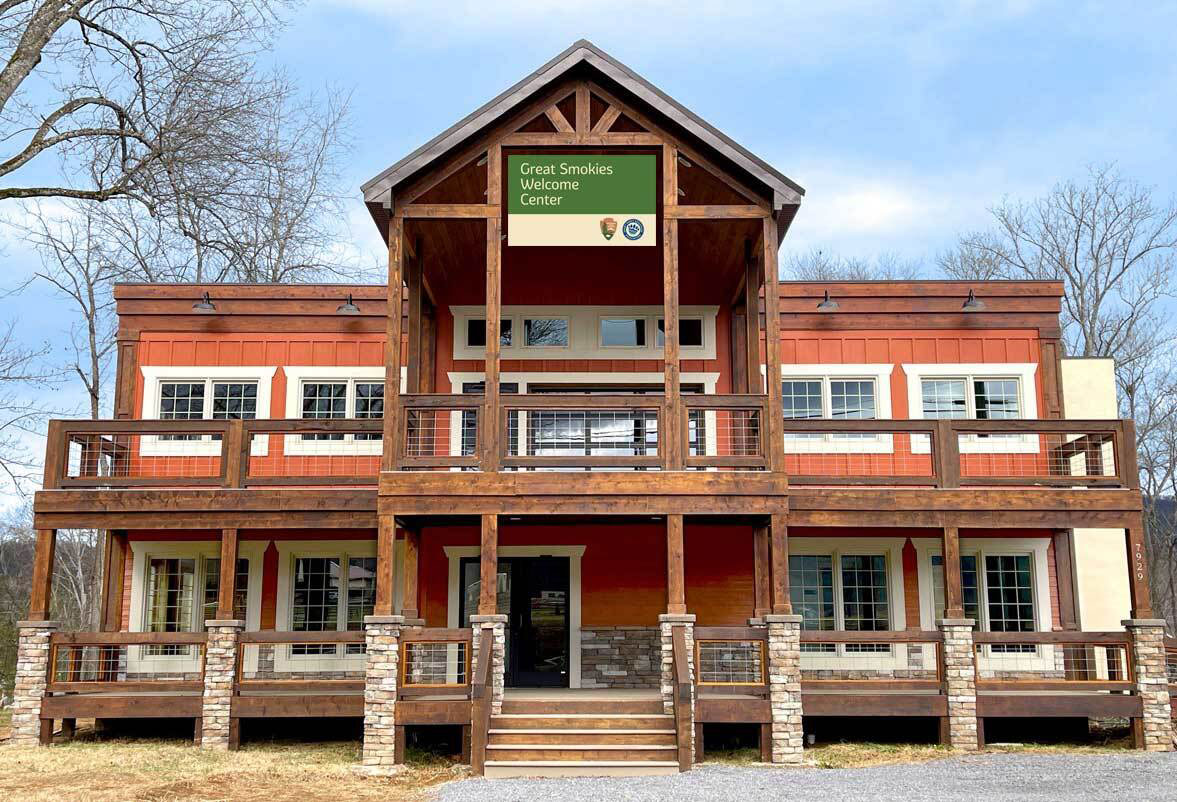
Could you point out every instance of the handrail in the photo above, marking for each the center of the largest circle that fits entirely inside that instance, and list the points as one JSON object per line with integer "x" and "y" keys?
{"x": 1065, "y": 637}
{"x": 682, "y": 696}
{"x": 330, "y": 636}
{"x": 104, "y": 665}
{"x": 882, "y": 636}
{"x": 480, "y": 708}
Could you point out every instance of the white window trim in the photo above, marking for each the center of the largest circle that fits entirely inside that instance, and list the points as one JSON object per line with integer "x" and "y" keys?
{"x": 891, "y": 548}
{"x": 297, "y": 375}
{"x": 878, "y": 372}
{"x": 1023, "y": 372}
{"x": 142, "y": 551}
{"x": 454, "y": 555}
{"x": 288, "y": 552}
{"x": 584, "y": 332}
{"x": 601, "y": 318}
{"x": 524, "y": 380}
{"x": 156, "y": 375}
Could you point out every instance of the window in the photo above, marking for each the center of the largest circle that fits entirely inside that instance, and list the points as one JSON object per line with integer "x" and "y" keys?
{"x": 832, "y": 398}
{"x": 476, "y": 332}
{"x": 360, "y": 399}
{"x": 186, "y": 401}
{"x": 319, "y": 606}
{"x": 991, "y": 399}
{"x": 549, "y": 332}
{"x": 172, "y": 601}
{"x": 1009, "y": 593}
{"x": 690, "y": 332}
{"x": 970, "y": 590}
{"x": 841, "y": 592}
{"x": 369, "y": 405}
{"x": 202, "y": 393}
{"x": 234, "y": 401}
{"x": 811, "y": 591}
{"x": 212, "y": 584}
{"x": 996, "y": 391}
{"x": 623, "y": 332}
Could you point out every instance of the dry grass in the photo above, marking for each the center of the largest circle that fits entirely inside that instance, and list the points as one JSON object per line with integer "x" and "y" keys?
{"x": 125, "y": 769}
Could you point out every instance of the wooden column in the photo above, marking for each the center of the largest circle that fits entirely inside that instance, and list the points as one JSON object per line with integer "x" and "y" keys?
{"x": 392, "y": 350}
{"x": 762, "y": 572}
{"x": 1064, "y": 571}
{"x": 779, "y": 548}
{"x": 416, "y": 304}
{"x": 752, "y": 321}
{"x": 42, "y": 595}
{"x": 953, "y": 591}
{"x": 410, "y": 587}
{"x": 113, "y": 567}
{"x": 1138, "y": 568}
{"x": 489, "y": 433}
{"x": 671, "y": 425}
{"x": 228, "y": 585}
{"x": 385, "y": 564}
{"x": 488, "y": 565}
{"x": 772, "y": 346}
{"x": 676, "y": 583}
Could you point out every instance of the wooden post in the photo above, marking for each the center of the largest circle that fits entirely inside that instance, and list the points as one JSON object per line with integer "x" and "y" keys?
{"x": 113, "y": 566}
{"x": 489, "y": 566}
{"x": 782, "y": 604}
{"x": 228, "y": 584}
{"x": 1138, "y": 568}
{"x": 385, "y": 543}
{"x": 490, "y": 434}
{"x": 671, "y": 425}
{"x": 409, "y": 589}
{"x": 752, "y": 321}
{"x": 953, "y": 591}
{"x": 762, "y": 572}
{"x": 392, "y": 350}
{"x": 42, "y": 595}
{"x": 413, "y": 281}
{"x": 676, "y": 585}
{"x": 1065, "y": 579}
{"x": 775, "y": 450}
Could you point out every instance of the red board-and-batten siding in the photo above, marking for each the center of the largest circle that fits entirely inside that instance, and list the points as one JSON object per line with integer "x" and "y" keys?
{"x": 615, "y": 592}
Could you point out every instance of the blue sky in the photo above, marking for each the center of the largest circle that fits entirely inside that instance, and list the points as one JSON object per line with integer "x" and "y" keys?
{"x": 903, "y": 121}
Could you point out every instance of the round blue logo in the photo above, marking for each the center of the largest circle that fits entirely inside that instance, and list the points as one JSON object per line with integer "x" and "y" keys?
{"x": 633, "y": 228}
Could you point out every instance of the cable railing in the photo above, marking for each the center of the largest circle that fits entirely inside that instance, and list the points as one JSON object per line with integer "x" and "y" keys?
{"x": 1053, "y": 661}
{"x": 124, "y": 662}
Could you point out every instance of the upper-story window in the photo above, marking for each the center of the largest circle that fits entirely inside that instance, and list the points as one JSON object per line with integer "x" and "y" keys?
{"x": 476, "y": 332}
{"x": 980, "y": 391}
{"x": 840, "y": 393}
{"x": 623, "y": 332}
{"x": 545, "y": 331}
{"x": 183, "y": 393}
{"x": 354, "y": 398}
{"x": 690, "y": 332}
{"x": 979, "y": 398}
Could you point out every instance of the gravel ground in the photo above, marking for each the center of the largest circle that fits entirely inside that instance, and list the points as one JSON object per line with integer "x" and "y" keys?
{"x": 992, "y": 778}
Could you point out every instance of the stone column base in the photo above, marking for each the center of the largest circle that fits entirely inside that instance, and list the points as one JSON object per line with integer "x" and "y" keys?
{"x": 1155, "y": 729}
{"x": 220, "y": 678}
{"x": 32, "y": 672}
{"x": 496, "y": 626}
{"x": 381, "y": 674}
{"x": 666, "y": 625}
{"x": 784, "y": 687}
{"x": 960, "y": 682}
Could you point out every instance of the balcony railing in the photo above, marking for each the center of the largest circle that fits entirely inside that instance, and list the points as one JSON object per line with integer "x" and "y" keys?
{"x": 89, "y": 662}
{"x": 591, "y": 432}
{"x": 1053, "y": 661}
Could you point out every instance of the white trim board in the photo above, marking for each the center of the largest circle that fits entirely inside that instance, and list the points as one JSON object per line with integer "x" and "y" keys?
{"x": 454, "y": 555}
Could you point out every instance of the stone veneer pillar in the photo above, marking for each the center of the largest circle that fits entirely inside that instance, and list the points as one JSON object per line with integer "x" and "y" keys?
{"x": 220, "y": 675}
{"x": 32, "y": 676}
{"x": 960, "y": 682}
{"x": 1155, "y": 732}
{"x": 784, "y": 687}
{"x": 666, "y": 626}
{"x": 382, "y": 634}
{"x": 496, "y": 626}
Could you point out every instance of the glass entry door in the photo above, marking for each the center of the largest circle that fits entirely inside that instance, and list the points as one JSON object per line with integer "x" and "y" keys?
{"x": 533, "y": 594}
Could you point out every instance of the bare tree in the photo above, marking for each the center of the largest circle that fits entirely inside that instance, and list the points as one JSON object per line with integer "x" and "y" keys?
{"x": 1114, "y": 247}
{"x": 125, "y": 95}
{"x": 817, "y": 265}
{"x": 22, "y": 370}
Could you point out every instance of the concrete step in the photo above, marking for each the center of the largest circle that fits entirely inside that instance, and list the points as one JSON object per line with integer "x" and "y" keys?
{"x": 582, "y": 721}
{"x": 581, "y": 768}
{"x": 587, "y": 752}
{"x": 577, "y": 737}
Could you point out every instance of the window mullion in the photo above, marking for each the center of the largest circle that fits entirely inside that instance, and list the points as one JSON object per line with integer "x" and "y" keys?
{"x": 341, "y": 602}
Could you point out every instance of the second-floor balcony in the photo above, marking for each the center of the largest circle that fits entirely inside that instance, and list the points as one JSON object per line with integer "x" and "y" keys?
{"x": 579, "y": 433}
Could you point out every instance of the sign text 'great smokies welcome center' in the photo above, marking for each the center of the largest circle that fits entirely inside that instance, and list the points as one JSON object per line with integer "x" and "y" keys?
{"x": 582, "y": 200}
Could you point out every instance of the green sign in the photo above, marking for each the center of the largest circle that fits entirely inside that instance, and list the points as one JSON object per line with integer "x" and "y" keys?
{"x": 582, "y": 200}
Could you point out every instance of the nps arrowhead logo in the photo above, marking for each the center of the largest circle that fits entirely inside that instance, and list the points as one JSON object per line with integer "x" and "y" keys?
{"x": 608, "y": 227}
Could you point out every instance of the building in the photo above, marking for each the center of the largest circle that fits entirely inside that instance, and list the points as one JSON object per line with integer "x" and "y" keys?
{"x": 573, "y": 474}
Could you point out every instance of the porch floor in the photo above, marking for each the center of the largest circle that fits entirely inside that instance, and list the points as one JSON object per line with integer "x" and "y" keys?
{"x": 582, "y": 694}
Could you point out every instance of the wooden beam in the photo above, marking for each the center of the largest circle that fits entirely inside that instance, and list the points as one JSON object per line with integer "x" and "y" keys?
{"x": 782, "y": 604}
{"x": 762, "y": 572}
{"x": 1064, "y": 571}
{"x": 582, "y": 110}
{"x": 603, "y": 125}
{"x": 752, "y": 321}
{"x": 410, "y": 587}
{"x": 716, "y": 212}
{"x": 672, "y": 445}
{"x": 385, "y": 564}
{"x": 228, "y": 584}
{"x": 953, "y": 590}
{"x": 556, "y": 118}
{"x": 113, "y": 566}
{"x": 1138, "y": 568}
{"x": 489, "y": 433}
{"x": 772, "y": 345}
{"x": 676, "y": 586}
{"x": 416, "y": 306}
{"x": 444, "y": 211}
{"x": 489, "y": 566}
{"x": 392, "y": 345}
{"x": 42, "y": 595}
{"x": 597, "y": 140}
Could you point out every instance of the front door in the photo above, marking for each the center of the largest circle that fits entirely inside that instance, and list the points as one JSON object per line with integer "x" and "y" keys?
{"x": 533, "y": 594}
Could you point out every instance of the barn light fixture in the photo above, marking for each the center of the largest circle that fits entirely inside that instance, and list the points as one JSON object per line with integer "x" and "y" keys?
{"x": 204, "y": 305}
{"x": 347, "y": 307}
{"x": 827, "y": 304}
{"x": 684, "y": 162}
{"x": 681, "y": 194}
{"x": 972, "y": 304}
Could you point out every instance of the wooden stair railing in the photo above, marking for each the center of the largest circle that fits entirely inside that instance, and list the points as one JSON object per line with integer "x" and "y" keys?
{"x": 480, "y": 707}
{"x": 682, "y": 697}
